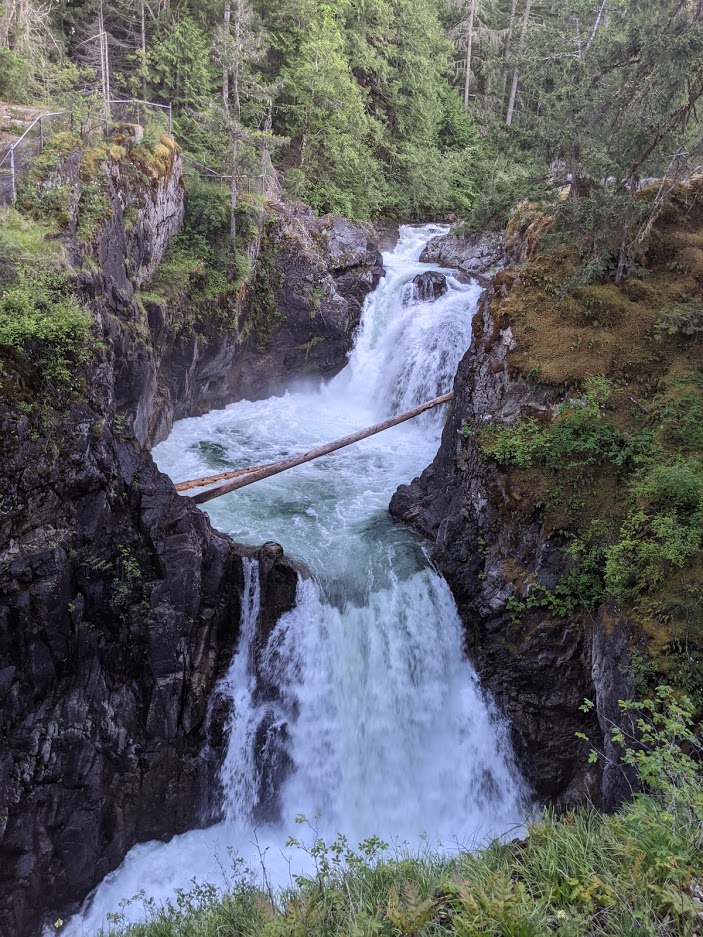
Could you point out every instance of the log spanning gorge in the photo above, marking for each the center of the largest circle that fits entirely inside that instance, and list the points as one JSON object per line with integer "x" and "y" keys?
{"x": 360, "y": 708}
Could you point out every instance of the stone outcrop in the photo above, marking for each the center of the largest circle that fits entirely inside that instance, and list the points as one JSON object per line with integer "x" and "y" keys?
{"x": 491, "y": 548}
{"x": 119, "y": 604}
{"x": 480, "y": 256}
{"x": 430, "y": 286}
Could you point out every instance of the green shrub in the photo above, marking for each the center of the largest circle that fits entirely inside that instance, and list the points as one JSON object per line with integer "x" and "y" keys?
{"x": 511, "y": 445}
{"x": 678, "y": 486}
{"x": 650, "y": 546}
{"x": 680, "y": 412}
{"x": 16, "y": 77}
{"x": 201, "y": 260}
{"x": 681, "y": 319}
{"x": 42, "y": 323}
{"x": 578, "y": 436}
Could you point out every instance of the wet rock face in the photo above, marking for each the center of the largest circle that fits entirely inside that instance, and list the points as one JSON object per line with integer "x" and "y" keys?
{"x": 480, "y": 256}
{"x": 489, "y": 549}
{"x": 430, "y": 286}
{"x": 119, "y": 609}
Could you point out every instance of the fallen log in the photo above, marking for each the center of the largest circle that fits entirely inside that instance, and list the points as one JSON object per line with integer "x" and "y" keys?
{"x": 240, "y": 478}
{"x": 223, "y": 476}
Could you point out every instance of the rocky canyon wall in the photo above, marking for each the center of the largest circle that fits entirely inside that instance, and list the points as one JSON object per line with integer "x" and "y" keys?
{"x": 119, "y": 604}
{"x": 493, "y": 547}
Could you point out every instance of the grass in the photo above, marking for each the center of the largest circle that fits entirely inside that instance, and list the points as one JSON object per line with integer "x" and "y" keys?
{"x": 583, "y": 874}
{"x": 639, "y": 872}
{"x": 635, "y": 873}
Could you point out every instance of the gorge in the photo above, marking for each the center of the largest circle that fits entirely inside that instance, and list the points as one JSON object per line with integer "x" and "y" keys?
{"x": 359, "y": 707}
{"x": 445, "y": 681}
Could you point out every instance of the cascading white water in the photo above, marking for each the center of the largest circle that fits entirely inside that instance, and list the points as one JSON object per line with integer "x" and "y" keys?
{"x": 380, "y": 713}
{"x": 238, "y": 772}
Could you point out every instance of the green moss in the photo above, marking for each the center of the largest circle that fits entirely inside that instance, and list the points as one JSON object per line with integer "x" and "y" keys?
{"x": 263, "y": 317}
{"x": 618, "y": 468}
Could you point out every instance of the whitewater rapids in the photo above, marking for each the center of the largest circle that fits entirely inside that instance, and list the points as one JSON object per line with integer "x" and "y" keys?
{"x": 387, "y": 729}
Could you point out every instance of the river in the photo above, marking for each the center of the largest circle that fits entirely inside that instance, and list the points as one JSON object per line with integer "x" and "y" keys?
{"x": 381, "y": 714}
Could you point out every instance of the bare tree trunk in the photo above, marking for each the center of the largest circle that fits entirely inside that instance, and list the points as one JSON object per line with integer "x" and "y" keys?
{"x": 6, "y": 18}
{"x": 103, "y": 55}
{"x": 520, "y": 53}
{"x": 20, "y": 25}
{"x": 233, "y": 182}
{"x": 508, "y": 43}
{"x": 268, "y": 123}
{"x": 241, "y": 478}
{"x": 238, "y": 23}
{"x": 143, "y": 37}
{"x": 225, "y": 67}
{"x": 469, "y": 43}
{"x": 576, "y": 141}
{"x": 601, "y": 11}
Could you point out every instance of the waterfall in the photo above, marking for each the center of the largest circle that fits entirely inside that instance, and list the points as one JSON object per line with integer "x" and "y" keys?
{"x": 362, "y": 708}
{"x": 238, "y": 769}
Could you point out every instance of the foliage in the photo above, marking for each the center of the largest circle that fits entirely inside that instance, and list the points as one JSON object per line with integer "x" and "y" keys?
{"x": 181, "y": 68}
{"x": 681, "y": 319}
{"x": 15, "y": 76}
{"x": 202, "y": 271}
{"x": 666, "y": 748}
{"x": 504, "y": 181}
{"x": 42, "y": 323}
{"x": 578, "y": 436}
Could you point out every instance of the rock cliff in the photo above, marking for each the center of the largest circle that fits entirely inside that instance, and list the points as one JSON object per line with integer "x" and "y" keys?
{"x": 295, "y": 319}
{"x": 119, "y": 604}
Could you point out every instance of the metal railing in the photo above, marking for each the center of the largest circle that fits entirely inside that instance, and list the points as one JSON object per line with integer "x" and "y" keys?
{"x": 246, "y": 181}
{"x": 20, "y": 154}
{"x": 19, "y": 157}
{"x": 138, "y": 109}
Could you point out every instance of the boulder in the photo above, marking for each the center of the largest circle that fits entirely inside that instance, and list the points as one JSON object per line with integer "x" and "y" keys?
{"x": 430, "y": 286}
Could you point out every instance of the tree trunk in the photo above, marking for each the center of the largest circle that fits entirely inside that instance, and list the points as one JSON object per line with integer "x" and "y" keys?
{"x": 469, "y": 43}
{"x": 520, "y": 53}
{"x": 233, "y": 183}
{"x": 238, "y": 24}
{"x": 225, "y": 67}
{"x": 103, "y": 56}
{"x": 508, "y": 43}
{"x": 576, "y": 141}
{"x": 240, "y": 478}
{"x": 5, "y": 21}
{"x": 143, "y": 14}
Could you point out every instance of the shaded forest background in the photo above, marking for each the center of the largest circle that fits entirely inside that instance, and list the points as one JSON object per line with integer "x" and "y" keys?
{"x": 442, "y": 108}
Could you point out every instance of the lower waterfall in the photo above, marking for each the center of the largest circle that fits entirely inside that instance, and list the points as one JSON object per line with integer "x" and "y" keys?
{"x": 377, "y": 719}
